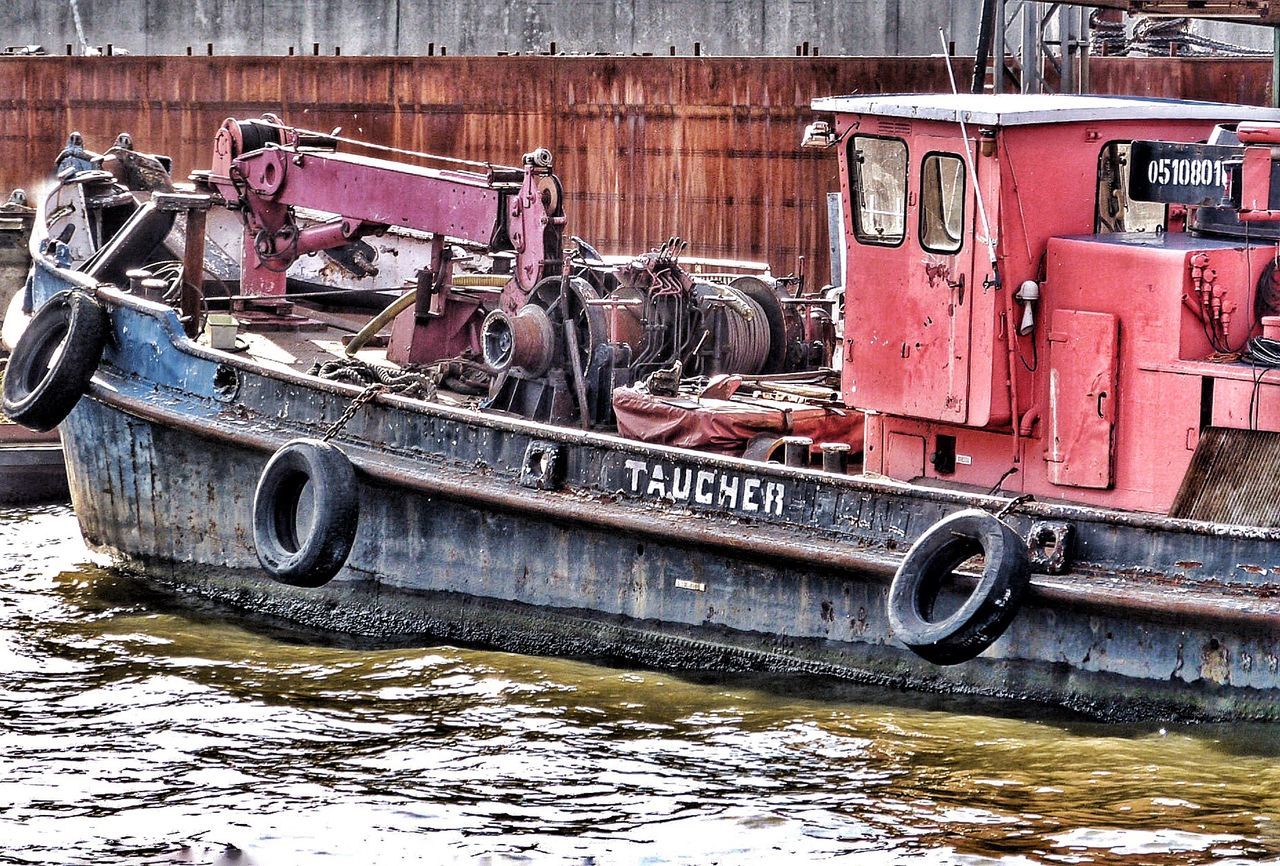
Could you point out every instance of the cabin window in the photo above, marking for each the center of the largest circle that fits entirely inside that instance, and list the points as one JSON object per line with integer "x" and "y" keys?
{"x": 942, "y": 202}
{"x": 1116, "y": 212}
{"x": 879, "y": 170}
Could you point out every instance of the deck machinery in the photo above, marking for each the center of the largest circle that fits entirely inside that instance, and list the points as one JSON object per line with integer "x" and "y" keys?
{"x": 556, "y": 328}
{"x": 1019, "y": 319}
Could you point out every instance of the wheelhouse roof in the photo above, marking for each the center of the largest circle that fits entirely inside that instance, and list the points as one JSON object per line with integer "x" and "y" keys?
{"x": 1026, "y": 109}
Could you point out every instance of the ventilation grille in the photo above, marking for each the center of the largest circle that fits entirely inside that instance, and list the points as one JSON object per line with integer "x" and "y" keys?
{"x": 894, "y": 126}
{"x": 1234, "y": 477}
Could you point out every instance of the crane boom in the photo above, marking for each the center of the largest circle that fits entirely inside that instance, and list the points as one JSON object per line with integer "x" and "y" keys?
{"x": 267, "y": 169}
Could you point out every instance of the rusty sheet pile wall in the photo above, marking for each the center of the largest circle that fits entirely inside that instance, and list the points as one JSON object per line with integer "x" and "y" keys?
{"x": 647, "y": 147}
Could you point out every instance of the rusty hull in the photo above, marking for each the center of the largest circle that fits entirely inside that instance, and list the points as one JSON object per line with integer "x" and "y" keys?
{"x": 653, "y": 555}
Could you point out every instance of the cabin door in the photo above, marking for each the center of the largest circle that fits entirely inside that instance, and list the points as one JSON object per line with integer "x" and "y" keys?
{"x": 908, "y": 311}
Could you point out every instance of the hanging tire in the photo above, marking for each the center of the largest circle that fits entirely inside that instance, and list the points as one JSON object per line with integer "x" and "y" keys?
{"x": 309, "y": 554}
{"x": 50, "y": 368}
{"x": 985, "y": 614}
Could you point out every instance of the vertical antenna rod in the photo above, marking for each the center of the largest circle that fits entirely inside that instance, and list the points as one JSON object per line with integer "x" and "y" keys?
{"x": 968, "y": 158}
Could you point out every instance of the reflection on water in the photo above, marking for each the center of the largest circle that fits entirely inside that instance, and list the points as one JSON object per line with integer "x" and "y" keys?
{"x": 141, "y": 729}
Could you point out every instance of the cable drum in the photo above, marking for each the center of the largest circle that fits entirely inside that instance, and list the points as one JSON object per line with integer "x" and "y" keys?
{"x": 740, "y": 327}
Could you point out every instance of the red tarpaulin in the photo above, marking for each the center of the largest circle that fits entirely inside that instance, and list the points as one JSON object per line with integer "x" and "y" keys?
{"x": 727, "y": 426}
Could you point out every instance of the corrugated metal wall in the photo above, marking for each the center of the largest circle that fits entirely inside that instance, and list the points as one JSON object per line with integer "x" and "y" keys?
{"x": 706, "y": 148}
{"x": 865, "y": 28}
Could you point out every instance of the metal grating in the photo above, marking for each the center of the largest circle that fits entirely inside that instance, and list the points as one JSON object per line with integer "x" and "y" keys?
{"x": 1234, "y": 477}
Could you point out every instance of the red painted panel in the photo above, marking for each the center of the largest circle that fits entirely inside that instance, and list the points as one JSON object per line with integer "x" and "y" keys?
{"x": 1083, "y": 352}
{"x": 904, "y": 456}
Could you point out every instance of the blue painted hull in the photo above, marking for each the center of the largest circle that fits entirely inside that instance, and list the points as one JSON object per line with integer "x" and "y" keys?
{"x": 649, "y": 554}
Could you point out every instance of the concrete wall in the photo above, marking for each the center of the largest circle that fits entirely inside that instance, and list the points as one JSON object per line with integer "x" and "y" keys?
{"x": 406, "y": 27}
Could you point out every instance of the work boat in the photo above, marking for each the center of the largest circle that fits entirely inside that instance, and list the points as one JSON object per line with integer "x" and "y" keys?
{"x": 1035, "y": 464}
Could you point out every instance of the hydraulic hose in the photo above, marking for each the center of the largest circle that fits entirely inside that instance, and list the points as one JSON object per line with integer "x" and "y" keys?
{"x": 378, "y": 322}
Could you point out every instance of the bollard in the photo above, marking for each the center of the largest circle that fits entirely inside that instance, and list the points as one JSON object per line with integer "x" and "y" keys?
{"x": 796, "y": 450}
{"x": 135, "y": 277}
{"x": 153, "y": 288}
{"x": 835, "y": 457}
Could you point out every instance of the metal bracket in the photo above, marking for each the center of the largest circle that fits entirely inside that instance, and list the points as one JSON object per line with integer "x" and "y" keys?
{"x": 543, "y": 466}
{"x": 1049, "y": 546}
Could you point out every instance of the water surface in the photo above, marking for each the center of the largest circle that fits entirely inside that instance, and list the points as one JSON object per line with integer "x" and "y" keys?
{"x": 140, "y": 728}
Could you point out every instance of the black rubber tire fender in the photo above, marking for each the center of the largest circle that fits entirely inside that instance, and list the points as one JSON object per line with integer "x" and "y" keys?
{"x": 56, "y": 356}
{"x": 310, "y": 555}
{"x": 985, "y": 614}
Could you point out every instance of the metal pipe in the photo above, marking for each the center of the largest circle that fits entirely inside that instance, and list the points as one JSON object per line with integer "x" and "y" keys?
{"x": 1032, "y": 36}
{"x": 981, "y": 55}
{"x": 997, "y": 49}
{"x": 325, "y": 236}
{"x": 192, "y": 296}
{"x": 1275, "y": 67}
{"x": 973, "y": 174}
{"x": 1083, "y": 29}
{"x": 579, "y": 381}
{"x": 1067, "y": 48}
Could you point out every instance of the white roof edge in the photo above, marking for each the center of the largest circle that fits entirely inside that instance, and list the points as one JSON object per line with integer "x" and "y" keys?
{"x": 1023, "y": 110}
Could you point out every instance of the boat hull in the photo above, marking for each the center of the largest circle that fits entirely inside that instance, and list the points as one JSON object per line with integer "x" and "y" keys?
{"x": 652, "y": 555}
{"x": 178, "y": 507}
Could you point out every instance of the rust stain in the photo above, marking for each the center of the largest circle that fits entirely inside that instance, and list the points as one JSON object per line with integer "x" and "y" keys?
{"x": 1215, "y": 662}
{"x": 706, "y": 148}
{"x": 937, "y": 272}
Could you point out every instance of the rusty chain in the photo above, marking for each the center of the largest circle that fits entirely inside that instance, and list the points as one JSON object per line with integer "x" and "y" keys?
{"x": 365, "y": 396}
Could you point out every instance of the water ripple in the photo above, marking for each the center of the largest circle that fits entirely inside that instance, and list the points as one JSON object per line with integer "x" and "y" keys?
{"x": 138, "y": 728}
